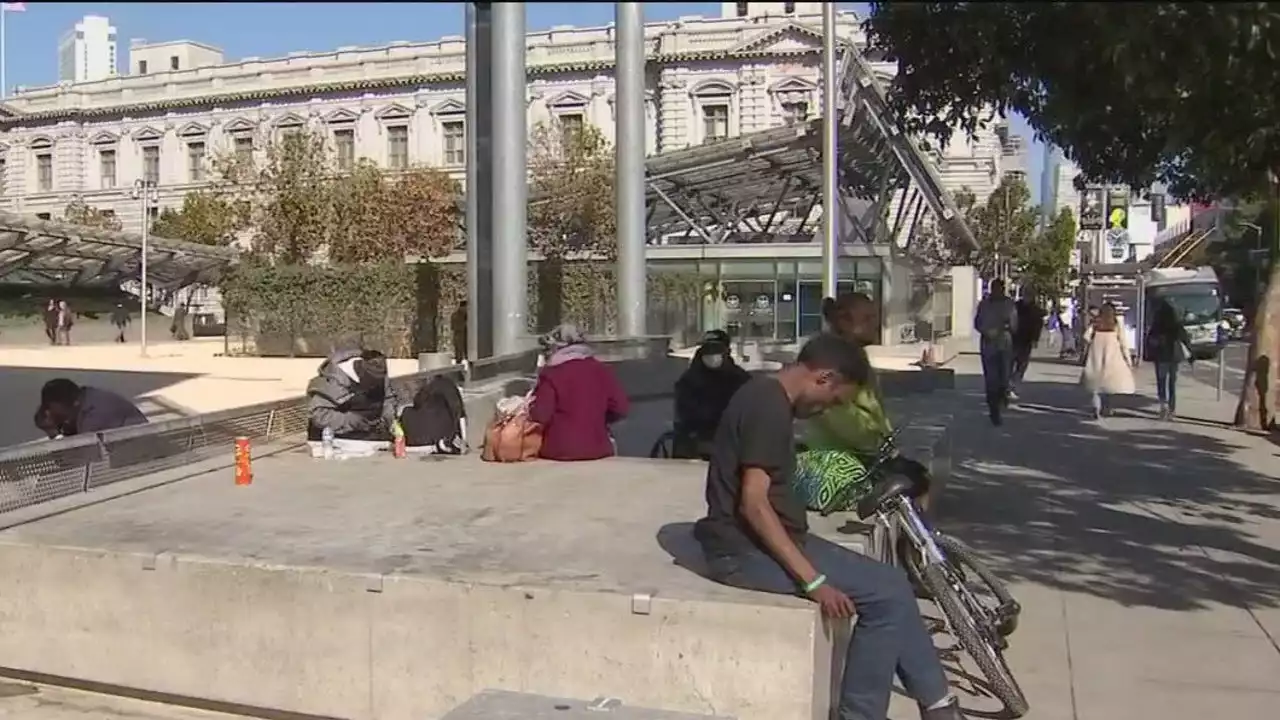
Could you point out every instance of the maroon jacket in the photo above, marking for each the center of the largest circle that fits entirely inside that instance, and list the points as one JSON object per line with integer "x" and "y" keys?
{"x": 575, "y": 402}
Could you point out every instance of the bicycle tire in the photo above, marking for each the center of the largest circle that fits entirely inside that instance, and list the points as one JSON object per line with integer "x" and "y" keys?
{"x": 660, "y": 449}
{"x": 990, "y": 660}
{"x": 960, "y": 554}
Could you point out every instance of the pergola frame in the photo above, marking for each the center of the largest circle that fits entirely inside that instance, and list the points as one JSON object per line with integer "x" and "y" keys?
{"x": 52, "y": 253}
{"x": 764, "y": 186}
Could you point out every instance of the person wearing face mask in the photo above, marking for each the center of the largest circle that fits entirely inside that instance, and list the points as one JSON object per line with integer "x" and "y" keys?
{"x": 702, "y": 394}
{"x": 349, "y": 395}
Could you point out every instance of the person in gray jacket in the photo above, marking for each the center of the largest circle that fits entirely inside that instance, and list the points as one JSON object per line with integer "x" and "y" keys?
{"x": 996, "y": 321}
{"x": 350, "y": 396}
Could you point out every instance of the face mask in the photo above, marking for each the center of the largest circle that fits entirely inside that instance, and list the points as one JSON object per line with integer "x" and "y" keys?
{"x": 713, "y": 361}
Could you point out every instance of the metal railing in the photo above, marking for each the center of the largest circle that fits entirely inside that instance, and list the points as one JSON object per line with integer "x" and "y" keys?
{"x": 38, "y": 472}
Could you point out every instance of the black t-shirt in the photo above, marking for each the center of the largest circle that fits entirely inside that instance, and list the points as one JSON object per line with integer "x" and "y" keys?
{"x": 755, "y": 431}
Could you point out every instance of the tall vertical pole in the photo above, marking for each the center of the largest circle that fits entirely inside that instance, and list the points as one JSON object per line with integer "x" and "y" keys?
{"x": 629, "y": 168}
{"x": 830, "y": 133}
{"x": 145, "y": 200}
{"x": 479, "y": 208}
{"x": 510, "y": 182}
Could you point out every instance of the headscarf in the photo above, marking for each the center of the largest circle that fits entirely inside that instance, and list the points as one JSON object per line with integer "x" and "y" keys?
{"x": 563, "y": 344}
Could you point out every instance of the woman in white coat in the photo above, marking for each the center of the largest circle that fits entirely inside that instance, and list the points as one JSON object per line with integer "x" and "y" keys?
{"x": 1107, "y": 365}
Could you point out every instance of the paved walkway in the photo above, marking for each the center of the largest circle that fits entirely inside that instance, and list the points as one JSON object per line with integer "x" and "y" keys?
{"x": 1146, "y": 555}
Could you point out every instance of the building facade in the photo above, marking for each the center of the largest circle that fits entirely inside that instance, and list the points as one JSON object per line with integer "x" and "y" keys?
{"x": 756, "y": 68}
{"x": 87, "y": 52}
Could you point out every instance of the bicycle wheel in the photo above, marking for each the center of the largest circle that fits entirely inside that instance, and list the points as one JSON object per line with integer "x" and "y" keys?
{"x": 965, "y": 560}
{"x": 980, "y": 644}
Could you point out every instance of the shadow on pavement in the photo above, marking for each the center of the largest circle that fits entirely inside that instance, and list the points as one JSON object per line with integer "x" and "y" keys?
{"x": 1139, "y": 512}
{"x": 20, "y": 393}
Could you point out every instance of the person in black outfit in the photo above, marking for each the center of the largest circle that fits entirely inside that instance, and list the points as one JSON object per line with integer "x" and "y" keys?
{"x": 1026, "y": 337}
{"x": 755, "y": 534}
{"x": 1166, "y": 345}
{"x": 702, "y": 394}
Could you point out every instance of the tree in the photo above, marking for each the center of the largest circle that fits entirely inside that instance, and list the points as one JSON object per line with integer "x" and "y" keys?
{"x": 206, "y": 218}
{"x": 571, "y": 217}
{"x": 78, "y": 212}
{"x": 1045, "y": 264}
{"x": 377, "y": 216}
{"x": 1004, "y": 227}
{"x": 571, "y": 207}
{"x": 1132, "y": 92}
{"x": 287, "y": 198}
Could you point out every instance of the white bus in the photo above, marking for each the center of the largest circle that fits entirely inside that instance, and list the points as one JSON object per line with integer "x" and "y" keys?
{"x": 1196, "y": 296}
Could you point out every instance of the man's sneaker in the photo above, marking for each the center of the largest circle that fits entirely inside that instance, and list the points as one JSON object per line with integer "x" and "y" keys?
{"x": 1012, "y": 396}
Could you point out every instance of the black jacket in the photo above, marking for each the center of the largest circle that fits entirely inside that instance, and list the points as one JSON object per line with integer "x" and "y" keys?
{"x": 702, "y": 394}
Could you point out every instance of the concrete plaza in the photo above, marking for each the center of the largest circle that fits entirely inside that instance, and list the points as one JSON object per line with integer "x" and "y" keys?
{"x": 1146, "y": 555}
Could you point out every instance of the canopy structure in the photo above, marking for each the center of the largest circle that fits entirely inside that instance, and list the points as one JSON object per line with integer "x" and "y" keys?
{"x": 764, "y": 186}
{"x": 48, "y": 252}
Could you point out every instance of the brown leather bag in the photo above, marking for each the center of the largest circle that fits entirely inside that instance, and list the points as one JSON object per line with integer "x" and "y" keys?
{"x": 511, "y": 438}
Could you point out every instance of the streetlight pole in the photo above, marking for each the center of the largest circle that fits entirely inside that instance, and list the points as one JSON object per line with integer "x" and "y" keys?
{"x": 830, "y": 145}
{"x": 147, "y": 195}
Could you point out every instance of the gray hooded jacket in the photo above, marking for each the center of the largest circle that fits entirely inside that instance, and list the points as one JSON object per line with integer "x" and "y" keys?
{"x": 333, "y": 388}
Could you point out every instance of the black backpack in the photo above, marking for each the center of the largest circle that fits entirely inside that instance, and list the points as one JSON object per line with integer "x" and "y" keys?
{"x": 434, "y": 419}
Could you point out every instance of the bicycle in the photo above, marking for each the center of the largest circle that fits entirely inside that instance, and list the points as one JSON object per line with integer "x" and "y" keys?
{"x": 941, "y": 565}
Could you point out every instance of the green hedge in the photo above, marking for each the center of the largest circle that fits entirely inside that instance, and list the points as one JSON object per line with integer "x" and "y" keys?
{"x": 308, "y": 310}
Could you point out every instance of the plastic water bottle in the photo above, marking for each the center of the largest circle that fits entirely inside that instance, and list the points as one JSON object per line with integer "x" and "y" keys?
{"x": 326, "y": 444}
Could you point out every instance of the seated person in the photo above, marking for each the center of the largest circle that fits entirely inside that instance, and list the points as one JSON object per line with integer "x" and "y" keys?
{"x": 437, "y": 419}
{"x": 576, "y": 399}
{"x": 839, "y": 441}
{"x": 75, "y": 409}
{"x": 349, "y": 395}
{"x": 702, "y": 393}
{"x": 755, "y": 535}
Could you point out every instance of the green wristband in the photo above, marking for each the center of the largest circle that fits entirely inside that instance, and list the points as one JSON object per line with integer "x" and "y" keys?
{"x": 814, "y": 584}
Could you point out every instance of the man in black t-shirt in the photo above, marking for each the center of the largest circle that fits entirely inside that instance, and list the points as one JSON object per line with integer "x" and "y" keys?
{"x": 755, "y": 535}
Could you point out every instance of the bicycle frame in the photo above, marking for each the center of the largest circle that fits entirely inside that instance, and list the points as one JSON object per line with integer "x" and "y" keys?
{"x": 910, "y": 521}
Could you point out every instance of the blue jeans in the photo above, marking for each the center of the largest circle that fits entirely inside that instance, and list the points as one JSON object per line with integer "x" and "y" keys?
{"x": 889, "y": 636}
{"x": 1167, "y": 383}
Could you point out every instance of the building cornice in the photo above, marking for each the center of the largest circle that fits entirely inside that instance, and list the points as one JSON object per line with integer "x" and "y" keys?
{"x": 369, "y": 85}
{"x": 403, "y": 65}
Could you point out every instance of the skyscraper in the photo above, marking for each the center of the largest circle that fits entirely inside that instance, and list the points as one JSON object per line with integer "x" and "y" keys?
{"x": 88, "y": 51}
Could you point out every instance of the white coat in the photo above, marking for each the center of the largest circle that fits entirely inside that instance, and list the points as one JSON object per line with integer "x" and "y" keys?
{"x": 1106, "y": 365}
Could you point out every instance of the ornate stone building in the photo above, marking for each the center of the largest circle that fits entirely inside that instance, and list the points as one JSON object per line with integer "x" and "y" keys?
{"x": 757, "y": 67}
{"x": 404, "y": 104}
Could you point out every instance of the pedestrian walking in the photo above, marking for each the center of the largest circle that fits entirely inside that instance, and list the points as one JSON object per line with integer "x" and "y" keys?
{"x": 120, "y": 318}
{"x": 1107, "y": 370}
{"x": 1026, "y": 337}
{"x": 1167, "y": 345}
{"x": 996, "y": 321}
{"x": 66, "y": 319}
{"x": 51, "y": 321}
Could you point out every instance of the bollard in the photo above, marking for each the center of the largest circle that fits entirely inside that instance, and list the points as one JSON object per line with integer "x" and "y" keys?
{"x": 244, "y": 468}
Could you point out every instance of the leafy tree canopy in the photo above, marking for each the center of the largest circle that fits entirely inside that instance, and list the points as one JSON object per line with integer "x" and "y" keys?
{"x": 571, "y": 192}
{"x": 1182, "y": 93}
{"x": 206, "y": 218}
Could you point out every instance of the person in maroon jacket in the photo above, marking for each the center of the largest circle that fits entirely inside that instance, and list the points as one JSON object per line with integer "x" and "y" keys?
{"x": 576, "y": 399}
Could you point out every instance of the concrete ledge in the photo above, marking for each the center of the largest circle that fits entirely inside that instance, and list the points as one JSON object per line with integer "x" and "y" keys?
{"x": 395, "y": 590}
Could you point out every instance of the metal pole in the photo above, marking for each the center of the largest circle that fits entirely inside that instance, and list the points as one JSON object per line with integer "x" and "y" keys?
{"x": 830, "y": 134}
{"x": 472, "y": 187}
{"x": 1140, "y": 334}
{"x": 1222, "y": 370}
{"x": 510, "y": 183}
{"x": 142, "y": 189}
{"x": 629, "y": 169}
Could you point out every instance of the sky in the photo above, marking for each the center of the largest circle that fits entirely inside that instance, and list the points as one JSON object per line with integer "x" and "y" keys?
{"x": 268, "y": 29}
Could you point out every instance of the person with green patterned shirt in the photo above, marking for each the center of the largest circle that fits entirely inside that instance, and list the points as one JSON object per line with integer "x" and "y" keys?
{"x": 830, "y": 469}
